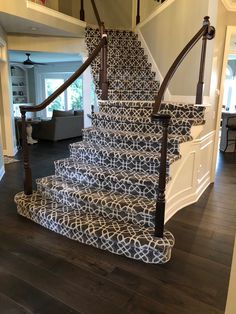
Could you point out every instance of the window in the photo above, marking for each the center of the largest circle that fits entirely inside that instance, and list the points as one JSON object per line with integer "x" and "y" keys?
{"x": 72, "y": 98}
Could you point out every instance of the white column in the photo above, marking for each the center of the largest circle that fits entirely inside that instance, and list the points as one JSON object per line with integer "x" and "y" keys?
{"x": 8, "y": 124}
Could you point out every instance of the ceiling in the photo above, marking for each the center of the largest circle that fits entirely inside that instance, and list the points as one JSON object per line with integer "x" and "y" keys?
{"x": 32, "y": 18}
{"x": 14, "y": 24}
{"x": 43, "y": 57}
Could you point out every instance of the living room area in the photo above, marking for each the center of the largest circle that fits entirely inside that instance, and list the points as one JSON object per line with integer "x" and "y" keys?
{"x": 34, "y": 77}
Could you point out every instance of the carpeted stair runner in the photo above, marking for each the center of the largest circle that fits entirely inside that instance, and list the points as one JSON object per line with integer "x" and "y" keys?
{"x": 104, "y": 194}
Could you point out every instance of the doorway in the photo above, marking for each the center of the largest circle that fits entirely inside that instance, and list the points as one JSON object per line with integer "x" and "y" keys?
{"x": 227, "y": 102}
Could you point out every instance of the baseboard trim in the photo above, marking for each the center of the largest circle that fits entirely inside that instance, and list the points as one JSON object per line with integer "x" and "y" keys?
{"x": 2, "y": 172}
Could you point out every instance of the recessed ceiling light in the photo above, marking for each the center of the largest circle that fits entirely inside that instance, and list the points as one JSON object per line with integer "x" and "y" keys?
{"x": 34, "y": 28}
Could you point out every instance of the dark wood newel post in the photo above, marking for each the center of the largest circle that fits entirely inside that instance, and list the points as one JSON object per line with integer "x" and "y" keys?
{"x": 161, "y": 202}
{"x": 138, "y": 12}
{"x": 104, "y": 72}
{"x": 101, "y": 27}
{"x": 103, "y": 82}
{"x": 82, "y": 16}
{"x": 27, "y": 170}
{"x": 209, "y": 34}
{"x": 200, "y": 84}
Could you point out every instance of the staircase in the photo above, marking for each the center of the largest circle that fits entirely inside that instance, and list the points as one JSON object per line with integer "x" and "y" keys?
{"x": 105, "y": 193}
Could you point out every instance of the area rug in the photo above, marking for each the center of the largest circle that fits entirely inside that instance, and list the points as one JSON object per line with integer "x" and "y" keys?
{"x": 9, "y": 160}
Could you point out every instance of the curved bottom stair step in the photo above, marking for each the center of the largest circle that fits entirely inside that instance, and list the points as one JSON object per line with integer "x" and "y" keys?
{"x": 120, "y": 238}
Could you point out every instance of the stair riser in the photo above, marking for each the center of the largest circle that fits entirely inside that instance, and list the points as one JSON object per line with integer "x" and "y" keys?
{"x": 122, "y": 51}
{"x": 143, "y": 66}
{"x": 127, "y": 142}
{"x": 123, "y": 56}
{"x": 122, "y": 61}
{"x": 91, "y": 33}
{"x": 143, "y": 86}
{"x": 134, "y": 112}
{"x": 138, "y": 127}
{"x": 122, "y": 162}
{"x": 124, "y": 74}
{"x": 85, "y": 206}
{"x": 128, "y": 95}
{"x": 116, "y": 45}
{"x": 146, "y": 112}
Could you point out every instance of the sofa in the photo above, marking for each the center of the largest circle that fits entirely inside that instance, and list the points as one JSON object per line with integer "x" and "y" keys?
{"x": 63, "y": 125}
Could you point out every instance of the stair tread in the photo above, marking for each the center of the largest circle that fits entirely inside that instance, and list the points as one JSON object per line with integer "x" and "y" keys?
{"x": 120, "y": 238}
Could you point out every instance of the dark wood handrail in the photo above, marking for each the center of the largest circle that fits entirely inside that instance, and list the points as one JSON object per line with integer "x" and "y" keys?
{"x": 96, "y": 12}
{"x": 206, "y": 31}
{"x": 68, "y": 82}
{"x": 103, "y": 81}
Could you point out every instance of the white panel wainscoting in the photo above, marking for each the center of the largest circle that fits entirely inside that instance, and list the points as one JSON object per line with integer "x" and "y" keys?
{"x": 190, "y": 175}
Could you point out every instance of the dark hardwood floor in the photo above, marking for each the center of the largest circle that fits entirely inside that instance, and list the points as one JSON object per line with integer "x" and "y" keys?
{"x": 42, "y": 272}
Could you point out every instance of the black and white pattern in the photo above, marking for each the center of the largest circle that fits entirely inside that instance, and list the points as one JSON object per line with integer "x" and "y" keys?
{"x": 125, "y": 239}
{"x": 105, "y": 193}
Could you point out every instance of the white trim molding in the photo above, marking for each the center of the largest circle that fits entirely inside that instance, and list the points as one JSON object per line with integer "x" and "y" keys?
{"x": 229, "y": 5}
{"x": 2, "y": 172}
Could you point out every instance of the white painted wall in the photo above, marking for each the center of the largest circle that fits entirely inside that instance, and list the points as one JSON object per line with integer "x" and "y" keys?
{"x": 6, "y": 109}
{"x": 166, "y": 35}
{"x": 115, "y": 14}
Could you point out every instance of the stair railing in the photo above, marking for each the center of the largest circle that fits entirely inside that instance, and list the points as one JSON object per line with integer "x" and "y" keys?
{"x": 43, "y": 105}
{"x": 138, "y": 10}
{"x": 207, "y": 32}
{"x": 103, "y": 82}
{"x": 101, "y": 47}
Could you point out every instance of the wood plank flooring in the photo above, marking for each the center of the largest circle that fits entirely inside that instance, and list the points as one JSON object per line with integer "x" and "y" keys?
{"x": 42, "y": 272}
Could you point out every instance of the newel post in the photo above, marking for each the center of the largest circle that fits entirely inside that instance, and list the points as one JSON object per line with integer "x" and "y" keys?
{"x": 27, "y": 169}
{"x": 161, "y": 201}
{"x": 209, "y": 34}
{"x": 103, "y": 82}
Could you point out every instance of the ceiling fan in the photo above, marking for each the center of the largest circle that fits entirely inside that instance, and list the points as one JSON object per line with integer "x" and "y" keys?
{"x": 28, "y": 61}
